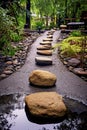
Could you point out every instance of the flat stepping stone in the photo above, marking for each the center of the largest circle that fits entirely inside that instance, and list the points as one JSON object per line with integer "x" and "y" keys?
{"x": 46, "y": 104}
{"x": 44, "y": 47}
{"x": 42, "y": 78}
{"x": 50, "y": 36}
{"x": 43, "y": 61}
{"x": 44, "y": 52}
{"x": 48, "y": 39}
{"x": 45, "y": 43}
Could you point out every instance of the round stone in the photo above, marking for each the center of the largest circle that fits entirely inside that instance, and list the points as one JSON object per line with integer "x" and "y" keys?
{"x": 43, "y": 61}
{"x": 46, "y": 104}
{"x": 42, "y": 78}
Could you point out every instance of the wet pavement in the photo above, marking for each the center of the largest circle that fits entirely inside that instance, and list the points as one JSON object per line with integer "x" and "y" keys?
{"x": 68, "y": 84}
{"x": 15, "y": 116}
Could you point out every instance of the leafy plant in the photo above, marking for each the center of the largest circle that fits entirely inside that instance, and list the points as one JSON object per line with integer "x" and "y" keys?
{"x": 5, "y": 27}
{"x": 69, "y": 50}
{"x": 8, "y": 49}
{"x": 39, "y": 24}
{"x": 76, "y": 33}
{"x": 8, "y": 32}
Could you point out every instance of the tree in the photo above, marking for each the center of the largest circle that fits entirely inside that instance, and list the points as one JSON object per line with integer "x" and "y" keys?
{"x": 28, "y": 5}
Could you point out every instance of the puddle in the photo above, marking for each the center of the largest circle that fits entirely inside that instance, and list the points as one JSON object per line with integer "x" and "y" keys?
{"x": 13, "y": 116}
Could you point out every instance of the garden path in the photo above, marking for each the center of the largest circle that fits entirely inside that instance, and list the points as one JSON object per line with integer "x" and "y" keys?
{"x": 68, "y": 84}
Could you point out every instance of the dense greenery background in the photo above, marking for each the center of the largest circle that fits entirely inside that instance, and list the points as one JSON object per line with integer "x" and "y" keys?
{"x": 40, "y": 12}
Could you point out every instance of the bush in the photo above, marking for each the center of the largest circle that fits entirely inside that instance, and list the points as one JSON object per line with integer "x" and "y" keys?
{"x": 69, "y": 50}
{"x": 5, "y": 27}
{"x": 76, "y": 33}
{"x": 8, "y": 33}
{"x": 39, "y": 24}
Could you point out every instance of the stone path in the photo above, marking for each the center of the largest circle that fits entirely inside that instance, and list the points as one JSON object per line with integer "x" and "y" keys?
{"x": 68, "y": 84}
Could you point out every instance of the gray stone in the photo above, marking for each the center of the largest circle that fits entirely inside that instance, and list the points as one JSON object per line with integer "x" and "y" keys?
{"x": 9, "y": 62}
{"x": 80, "y": 71}
{"x": 3, "y": 76}
{"x": 7, "y": 72}
{"x": 74, "y": 62}
{"x": 43, "y": 61}
{"x": 42, "y": 78}
{"x": 15, "y": 61}
{"x": 46, "y": 104}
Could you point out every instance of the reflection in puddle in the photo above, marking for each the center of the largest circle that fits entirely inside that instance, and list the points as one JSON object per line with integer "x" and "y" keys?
{"x": 13, "y": 116}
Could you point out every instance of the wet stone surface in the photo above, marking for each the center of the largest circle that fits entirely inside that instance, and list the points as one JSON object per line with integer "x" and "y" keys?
{"x": 14, "y": 116}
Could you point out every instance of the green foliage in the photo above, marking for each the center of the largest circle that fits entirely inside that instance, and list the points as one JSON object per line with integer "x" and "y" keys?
{"x": 8, "y": 32}
{"x": 70, "y": 46}
{"x": 73, "y": 39}
{"x": 39, "y": 24}
{"x": 8, "y": 49}
{"x": 76, "y": 33}
{"x": 5, "y": 27}
{"x": 52, "y": 25}
{"x": 69, "y": 50}
{"x": 15, "y": 37}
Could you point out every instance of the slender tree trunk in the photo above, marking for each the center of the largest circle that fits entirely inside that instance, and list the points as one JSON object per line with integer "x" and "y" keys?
{"x": 27, "y": 25}
{"x": 46, "y": 21}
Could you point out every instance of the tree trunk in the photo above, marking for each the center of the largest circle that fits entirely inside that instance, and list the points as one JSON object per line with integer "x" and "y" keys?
{"x": 27, "y": 25}
{"x": 46, "y": 21}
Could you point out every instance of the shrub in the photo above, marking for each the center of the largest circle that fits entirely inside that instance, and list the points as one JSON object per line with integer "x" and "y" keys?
{"x": 5, "y": 27}
{"x": 39, "y": 24}
{"x": 7, "y": 33}
{"x": 76, "y": 33}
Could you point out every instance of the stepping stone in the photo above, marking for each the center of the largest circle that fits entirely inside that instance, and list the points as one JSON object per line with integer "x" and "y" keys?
{"x": 44, "y": 47}
{"x": 46, "y": 104}
{"x": 46, "y": 43}
{"x": 50, "y": 36}
{"x": 43, "y": 61}
{"x": 63, "y": 26}
{"x": 42, "y": 78}
{"x": 45, "y": 52}
{"x": 48, "y": 39}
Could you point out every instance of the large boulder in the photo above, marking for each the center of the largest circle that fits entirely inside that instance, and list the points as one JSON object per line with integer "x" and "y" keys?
{"x": 43, "y": 61}
{"x": 45, "y": 104}
{"x": 42, "y": 78}
{"x": 44, "y": 52}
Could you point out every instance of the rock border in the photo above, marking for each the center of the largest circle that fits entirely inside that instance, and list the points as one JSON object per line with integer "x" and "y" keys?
{"x": 10, "y": 64}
